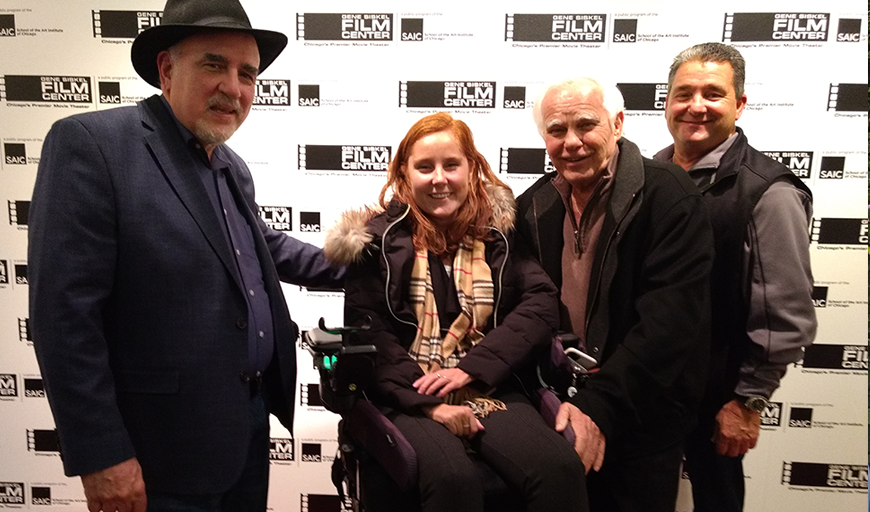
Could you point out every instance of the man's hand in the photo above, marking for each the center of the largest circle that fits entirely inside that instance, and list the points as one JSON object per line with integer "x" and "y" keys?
{"x": 588, "y": 440}
{"x": 459, "y": 419}
{"x": 737, "y": 429}
{"x": 118, "y": 488}
{"x": 442, "y": 382}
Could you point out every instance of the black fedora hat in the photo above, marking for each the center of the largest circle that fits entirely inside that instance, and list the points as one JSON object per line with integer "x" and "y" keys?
{"x": 183, "y": 18}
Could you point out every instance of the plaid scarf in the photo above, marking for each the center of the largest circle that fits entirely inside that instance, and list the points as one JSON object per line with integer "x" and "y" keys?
{"x": 473, "y": 279}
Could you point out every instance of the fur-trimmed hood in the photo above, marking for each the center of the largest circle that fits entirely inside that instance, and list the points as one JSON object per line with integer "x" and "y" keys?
{"x": 346, "y": 241}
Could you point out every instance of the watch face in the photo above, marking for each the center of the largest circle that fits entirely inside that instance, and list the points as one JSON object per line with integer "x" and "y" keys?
{"x": 755, "y": 403}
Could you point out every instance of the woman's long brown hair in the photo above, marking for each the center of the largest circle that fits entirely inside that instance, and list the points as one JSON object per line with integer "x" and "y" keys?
{"x": 473, "y": 217}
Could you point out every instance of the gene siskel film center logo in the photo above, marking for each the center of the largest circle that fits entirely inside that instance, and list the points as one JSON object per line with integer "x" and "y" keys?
{"x": 824, "y": 475}
{"x": 272, "y": 93}
{"x": 281, "y": 450}
{"x": 848, "y": 98}
{"x": 43, "y": 442}
{"x": 12, "y": 493}
{"x": 279, "y": 218}
{"x": 324, "y": 503}
{"x": 71, "y": 90}
{"x": 799, "y": 162}
{"x": 644, "y": 99}
{"x": 555, "y": 28}
{"x": 123, "y": 25}
{"x": 454, "y": 95}
{"x": 365, "y": 29}
{"x": 345, "y": 158}
{"x": 530, "y": 162}
{"x": 776, "y": 27}
{"x": 849, "y": 358}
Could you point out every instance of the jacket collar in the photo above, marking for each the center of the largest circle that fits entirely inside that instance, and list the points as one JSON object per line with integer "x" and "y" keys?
{"x": 175, "y": 159}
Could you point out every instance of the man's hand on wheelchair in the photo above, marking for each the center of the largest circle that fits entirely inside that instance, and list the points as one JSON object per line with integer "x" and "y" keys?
{"x": 442, "y": 382}
{"x": 458, "y": 419}
{"x": 588, "y": 441}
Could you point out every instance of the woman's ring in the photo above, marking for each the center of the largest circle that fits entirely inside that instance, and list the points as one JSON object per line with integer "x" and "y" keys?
{"x": 439, "y": 375}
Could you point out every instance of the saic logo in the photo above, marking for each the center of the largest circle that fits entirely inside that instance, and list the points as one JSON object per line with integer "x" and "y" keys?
{"x": 33, "y": 388}
{"x": 801, "y": 417}
{"x": 7, "y": 25}
{"x": 272, "y": 93}
{"x": 310, "y": 395}
{"x": 12, "y": 493}
{"x": 40, "y": 495}
{"x": 344, "y": 158}
{"x": 447, "y": 94}
{"x": 769, "y": 26}
{"x": 815, "y": 474}
{"x": 847, "y": 98}
{"x": 849, "y": 30}
{"x": 124, "y": 24}
{"x": 110, "y": 93}
{"x": 311, "y": 452}
{"x": 344, "y": 27}
{"x": 281, "y": 450}
{"x": 835, "y": 357}
{"x": 51, "y": 89}
{"x": 323, "y": 503}
{"x": 8, "y": 385}
{"x": 277, "y": 217}
{"x": 625, "y": 31}
{"x": 644, "y": 96}
{"x": 525, "y": 161}
{"x": 309, "y": 95}
{"x": 839, "y": 231}
{"x": 14, "y": 154}
{"x": 771, "y": 416}
{"x": 799, "y": 162}
{"x": 820, "y": 296}
{"x": 309, "y": 222}
{"x": 833, "y": 168}
{"x": 566, "y": 28}
{"x": 515, "y": 98}
{"x": 21, "y": 274}
{"x": 412, "y": 29}
{"x": 19, "y": 212}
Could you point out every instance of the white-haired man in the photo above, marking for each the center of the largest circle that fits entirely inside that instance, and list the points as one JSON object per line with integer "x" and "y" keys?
{"x": 628, "y": 242}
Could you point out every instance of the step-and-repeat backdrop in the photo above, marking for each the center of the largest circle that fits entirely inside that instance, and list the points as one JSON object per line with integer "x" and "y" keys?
{"x": 330, "y": 111}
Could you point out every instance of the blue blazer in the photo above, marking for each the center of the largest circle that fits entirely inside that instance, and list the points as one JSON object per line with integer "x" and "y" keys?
{"x": 138, "y": 315}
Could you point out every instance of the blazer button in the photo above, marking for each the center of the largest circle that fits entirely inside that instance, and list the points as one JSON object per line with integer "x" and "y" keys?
{"x": 241, "y": 323}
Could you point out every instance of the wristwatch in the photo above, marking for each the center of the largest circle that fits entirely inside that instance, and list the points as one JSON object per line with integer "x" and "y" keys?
{"x": 754, "y": 403}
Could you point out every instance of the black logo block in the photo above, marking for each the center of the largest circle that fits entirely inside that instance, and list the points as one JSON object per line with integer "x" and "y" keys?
{"x": 514, "y": 97}
{"x": 309, "y": 95}
{"x": 14, "y": 153}
{"x": 412, "y": 29}
{"x": 110, "y": 93}
{"x": 7, "y": 25}
{"x": 801, "y": 417}
{"x": 625, "y": 30}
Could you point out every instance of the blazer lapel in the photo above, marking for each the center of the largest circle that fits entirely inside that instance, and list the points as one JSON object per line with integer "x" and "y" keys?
{"x": 176, "y": 162}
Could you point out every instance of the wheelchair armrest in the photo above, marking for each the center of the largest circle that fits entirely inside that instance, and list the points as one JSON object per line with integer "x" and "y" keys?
{"x": 380, "y": 439}
{"x": 548, "y": 406}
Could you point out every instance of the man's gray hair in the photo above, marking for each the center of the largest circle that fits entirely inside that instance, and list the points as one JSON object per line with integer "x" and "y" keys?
{"x": 712, "y": 52}
{"x": 612, "y": 98}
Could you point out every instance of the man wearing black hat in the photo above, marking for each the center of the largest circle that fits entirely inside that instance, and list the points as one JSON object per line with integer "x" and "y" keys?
{"x": 157, "y": 315}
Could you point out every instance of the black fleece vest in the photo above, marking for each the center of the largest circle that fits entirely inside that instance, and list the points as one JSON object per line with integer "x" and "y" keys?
{"x": 743, "y": 176}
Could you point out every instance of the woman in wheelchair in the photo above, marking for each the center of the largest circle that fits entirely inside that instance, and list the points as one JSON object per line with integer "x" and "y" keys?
{"x": 458, "y": 319}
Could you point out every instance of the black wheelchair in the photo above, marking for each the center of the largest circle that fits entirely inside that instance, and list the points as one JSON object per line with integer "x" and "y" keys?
{"x": 375, "y": 466}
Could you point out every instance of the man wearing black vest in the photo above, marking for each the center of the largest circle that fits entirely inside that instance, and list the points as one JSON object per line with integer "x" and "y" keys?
{"x": 763, "y": 314}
